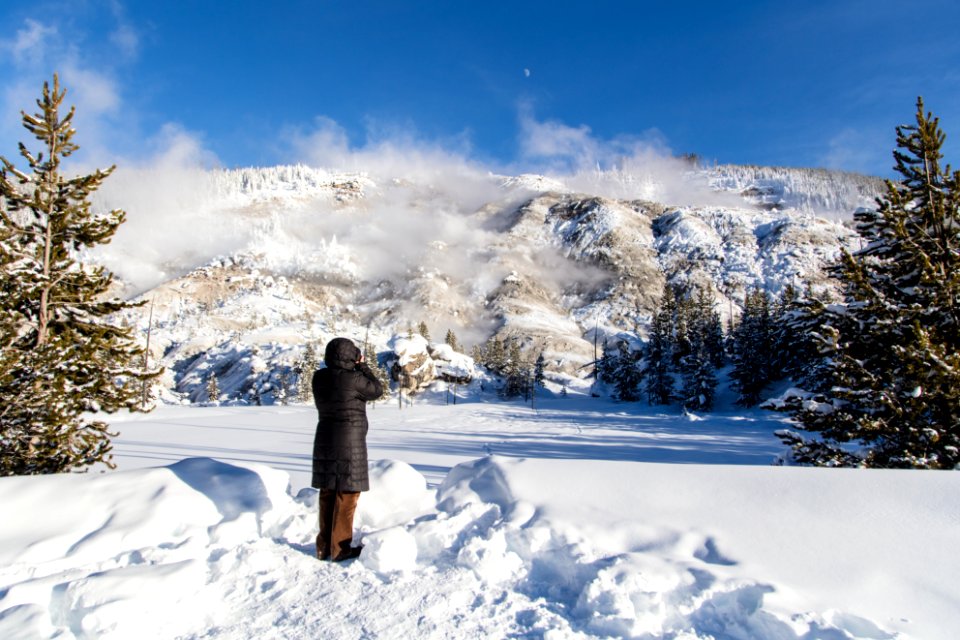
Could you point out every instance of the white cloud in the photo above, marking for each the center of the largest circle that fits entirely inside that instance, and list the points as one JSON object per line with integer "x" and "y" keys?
{"x": 855, "y": 150}
{"x": 557, "y": 142}
{"x": 29, "y": 46}
{"x": 93, "y": 92}
{"x": 620, "y": 167}
{"x": 127, "y": 40}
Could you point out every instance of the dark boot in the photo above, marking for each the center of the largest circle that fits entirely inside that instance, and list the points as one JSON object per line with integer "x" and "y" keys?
{"x": 351, "y": 552}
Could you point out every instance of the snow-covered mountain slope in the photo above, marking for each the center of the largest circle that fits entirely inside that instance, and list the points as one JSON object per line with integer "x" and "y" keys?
{"x": 816, "y": 191}
{"x": 267, "y": 260}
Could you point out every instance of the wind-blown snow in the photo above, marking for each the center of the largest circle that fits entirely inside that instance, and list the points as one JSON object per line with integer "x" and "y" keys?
{"x": 483, "y": 520}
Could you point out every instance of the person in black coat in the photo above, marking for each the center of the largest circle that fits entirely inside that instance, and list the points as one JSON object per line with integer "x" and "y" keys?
{"x": 340, "y": 392}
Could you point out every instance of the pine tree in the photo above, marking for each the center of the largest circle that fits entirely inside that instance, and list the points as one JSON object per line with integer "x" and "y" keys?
{"x": 307, "y": 364}
{"x": 627, "y": 374}
{"x": 370, "y": 357}
{"x": 682, "y": 330}
{"x": 710, "y": 328}
{"x": 213, "y": 388}
{"x": 604, "y": 366}
{"x": 423, "y": 330}
{"x": 887, "y": 387}
{"x": 494, "y": 356}
{"x": 61, "y": 355}
{"x": 705, "y": 348}
{"x": 283, "y": 386}
{"x": 451, "y": 339}
{"x": 516, "y": 372}
{"x": 752, "y": 350}
{"x": 659, "y": 382}
{"x": 539, "y": 367}
{"x": 699, "y": 379}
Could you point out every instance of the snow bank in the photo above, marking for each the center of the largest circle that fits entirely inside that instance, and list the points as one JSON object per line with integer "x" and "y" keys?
{"x": 505, "y": 547}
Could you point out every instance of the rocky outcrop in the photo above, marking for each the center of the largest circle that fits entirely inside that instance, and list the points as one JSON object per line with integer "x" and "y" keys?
{"x": 411, "y": 366}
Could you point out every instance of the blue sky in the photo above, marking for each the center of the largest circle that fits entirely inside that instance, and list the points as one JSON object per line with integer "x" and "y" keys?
{"x": 514, "y": 86}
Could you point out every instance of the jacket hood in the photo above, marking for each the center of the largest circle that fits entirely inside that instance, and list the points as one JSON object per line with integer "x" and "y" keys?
{"x": 342, "y": 353}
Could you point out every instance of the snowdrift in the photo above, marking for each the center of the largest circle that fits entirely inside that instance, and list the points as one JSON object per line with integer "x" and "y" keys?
{"x": 505, "y": 547}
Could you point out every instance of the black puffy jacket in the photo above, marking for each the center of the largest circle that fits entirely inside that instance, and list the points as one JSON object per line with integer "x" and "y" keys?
{"x": 341, "y": 392}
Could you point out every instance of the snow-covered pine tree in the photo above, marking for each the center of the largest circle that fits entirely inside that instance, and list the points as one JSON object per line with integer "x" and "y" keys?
{"x": 494, "y": 355}
{"x": 682, "y": 341}
{"x": 627, "y": 374}
{"x": 887, "y": 390}
{"x": 282, "y": 394}
{"x": 699, "y": 378}
{"x": 423, "y": 330}
{"x": 370, "y": 357}
{"x": 711, "y": 328}
{"x": 796, "y": 323}
{"x": 62, "y": 356}
{"x": 705, "y": 347}
{"x": 659, "y": 381}
{"x": 752, "y": 349}
{"x": 307, "y": 364}
{"x": 604, "y": 366}
{"x": 451, "y": 340}
{"x": 516, "y": 372}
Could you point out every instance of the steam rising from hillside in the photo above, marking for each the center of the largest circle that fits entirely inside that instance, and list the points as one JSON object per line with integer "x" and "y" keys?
{"x": 418, "y": 212}
{"x": 395, "y": 209}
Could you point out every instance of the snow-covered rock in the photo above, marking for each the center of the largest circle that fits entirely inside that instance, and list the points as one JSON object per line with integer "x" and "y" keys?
{"x": 451, "y": 365}
{"x": 412, "y": 367}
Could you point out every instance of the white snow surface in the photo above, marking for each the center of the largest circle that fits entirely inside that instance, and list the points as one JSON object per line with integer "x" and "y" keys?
{"x": 582, "y": 519}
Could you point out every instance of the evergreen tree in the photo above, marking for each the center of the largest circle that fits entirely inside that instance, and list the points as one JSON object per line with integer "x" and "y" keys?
{"x": 887, "y": 385}
{"x": 699, "y": 379}
{"x": 516, "y": 372}
{"x": 604, "y": 366}
{"x": 494, "y": 356}
{"x": 710, "y": 329}
{"x": 705, "y": 348}
{"x": 796, "y": 322}
{"x": 370, "y": 357}
{"x": 283, "y": 385}
{"x": 682, "y": 330}
{"x": 61, "y": 356}
{"x": 307, "y": 364}
{"x": 627, "y": 374}
{"x": 213, "y": 388}
{"x": 752, "y": 351}
{"x": 423, "y": 330}
{"x": 659, "y": 382}
{"x": 451, "y": 339}
{"x": 538, "y": 370}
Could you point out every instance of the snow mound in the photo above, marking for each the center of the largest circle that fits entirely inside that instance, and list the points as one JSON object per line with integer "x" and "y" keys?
{"x": 506, "y": 547}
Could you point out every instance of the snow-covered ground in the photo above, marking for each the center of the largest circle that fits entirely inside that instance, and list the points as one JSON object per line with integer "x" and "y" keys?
{"x": 582, "y": 519}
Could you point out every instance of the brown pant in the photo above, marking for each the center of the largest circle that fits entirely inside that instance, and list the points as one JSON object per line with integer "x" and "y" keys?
{"x": 336, "y": 524}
